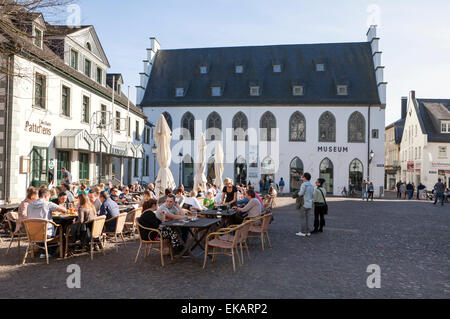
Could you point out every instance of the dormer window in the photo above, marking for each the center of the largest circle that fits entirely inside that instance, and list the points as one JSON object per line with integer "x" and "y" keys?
{"x": 320, "y": 67}
{"x": 276, "y": 68}
{"x": 179, "y": 92}
{"x": 342, "y": 90}
{"x": 239, "y": 69}
{"x": 74, "y": 59}
{"x": 87, "y": 67}
{"x": 37, "y": 37}
{"x": 445, "y": 127}
{"x": 203, "y": 69}
{"x": 297, "y": 90}
{"x": 216, "y": 91}
{"x": 254, "y": 91}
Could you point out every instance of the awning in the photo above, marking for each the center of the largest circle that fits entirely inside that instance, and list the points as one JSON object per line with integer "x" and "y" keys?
{"x": 106, "y": 145}
{"x": 139, "y": 150}
{"x": 74, "y": 140}
{"x": 124, "y": 149}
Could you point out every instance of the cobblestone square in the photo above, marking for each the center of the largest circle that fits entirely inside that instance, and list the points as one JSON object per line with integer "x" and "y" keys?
{"x": 409, "y": 240}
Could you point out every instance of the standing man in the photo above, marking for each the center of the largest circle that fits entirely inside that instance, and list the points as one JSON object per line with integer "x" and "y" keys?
{"x": 403, "y": 190}
{"x": 307, "y": 191}
{"x": 67, "y": 176}
{"x": 281, "y": 185}
{"x": 410, "y": 190}
{"x": 399, "y": 194}
{"x": 364, "y": 189}
{"x": 440, "y": 189}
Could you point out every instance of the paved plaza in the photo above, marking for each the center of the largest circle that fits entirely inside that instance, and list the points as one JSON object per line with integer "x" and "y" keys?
{"x": 409, "y": 240}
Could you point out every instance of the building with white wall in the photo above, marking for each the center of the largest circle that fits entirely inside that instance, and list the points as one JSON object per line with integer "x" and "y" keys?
{"x": 424, "y": 150}
{"x": 57, "y": 110}
{"x": 278, "y": 111}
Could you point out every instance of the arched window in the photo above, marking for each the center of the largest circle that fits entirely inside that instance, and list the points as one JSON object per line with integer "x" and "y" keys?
{"x": 214, "y": 127}
{"x": 168, "y": 119}
{"x": 327, "y": 173}
{"x": 268, "y": 125}
{"x": 240, "y": 127}
{"x": 296, "y": 174}
{"x": 327, "y": 127}
{"x": 297, "y": 128}
{"x": 188, "y": 172}
{"x": 187, "y": 126}
{"x": 240, "y": 170}
{"x": 211, "y": 172}
{"x": 356, "y": 128}
{"x": 355, "y": 173}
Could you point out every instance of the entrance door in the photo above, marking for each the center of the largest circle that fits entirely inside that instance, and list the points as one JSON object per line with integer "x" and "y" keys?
{"x": 356, "y": 174}
{"x": 327, "y": 173}
{"x": 240, "y": 171}
{"x": 211, "y": 171}
{"x": 39, "y": 164}
{"x": 267, "y": 172}
{"x": 188, "y": 172}
{"x": 63, "y": 158}
{"x": 296, "y": 174}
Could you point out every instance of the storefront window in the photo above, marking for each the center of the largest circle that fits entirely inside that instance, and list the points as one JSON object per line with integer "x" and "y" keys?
{"x": 240, "y": 170}
{"x": 211, "y": 171}
{"x": 188, "y": 172}
{"x": 84, "y": 167}
{"x": 356, "y": 174}
{"x": 296, "y": 174}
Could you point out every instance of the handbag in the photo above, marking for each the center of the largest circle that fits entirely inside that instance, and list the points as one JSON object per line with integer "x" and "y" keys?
{"x": 323, "y": 206}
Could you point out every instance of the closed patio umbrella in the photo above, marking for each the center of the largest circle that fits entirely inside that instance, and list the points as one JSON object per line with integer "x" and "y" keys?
{"x": 200, "y": 164}
{"x": 163, "y": 136}
{"x": 218, "y": 166}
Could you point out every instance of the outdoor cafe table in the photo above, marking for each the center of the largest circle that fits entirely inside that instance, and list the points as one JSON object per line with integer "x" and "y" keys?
{"x": 65, "y": 221}
{"x": 127, "y": 207}
{"x": 226, "y": 216}
{"x": 198, "y": 230}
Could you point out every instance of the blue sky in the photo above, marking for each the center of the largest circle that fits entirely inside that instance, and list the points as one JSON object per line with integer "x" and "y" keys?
{"x": 415, "y": 35}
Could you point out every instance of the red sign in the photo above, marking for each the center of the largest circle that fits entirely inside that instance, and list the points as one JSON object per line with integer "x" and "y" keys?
{"x": 410, "y": 167}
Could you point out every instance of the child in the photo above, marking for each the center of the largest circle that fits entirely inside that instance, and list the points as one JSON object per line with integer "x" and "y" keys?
{"x": 209, "y": 202}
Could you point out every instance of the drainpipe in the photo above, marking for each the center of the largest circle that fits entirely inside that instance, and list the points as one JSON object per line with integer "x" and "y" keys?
{"x": 368, "y": 146}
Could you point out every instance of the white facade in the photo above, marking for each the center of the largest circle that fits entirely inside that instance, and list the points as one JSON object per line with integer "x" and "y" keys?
{"x": 421, "y": 160}
{"x": 282, "y": 151}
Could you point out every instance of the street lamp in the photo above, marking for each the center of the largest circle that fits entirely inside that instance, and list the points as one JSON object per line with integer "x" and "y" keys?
{"x": 154, "y": 151}
{"x": 100, "y": 130}
{"x": 371, "y": 156}
{"x": 179, "y": 174}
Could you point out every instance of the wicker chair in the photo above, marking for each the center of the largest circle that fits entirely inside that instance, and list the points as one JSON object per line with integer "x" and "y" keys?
{"x": 12, "y": 218}
{"x": 97, "y": 234}
{"x": 231, "y": 237}
{"x": 262, "y": 229}
{"x": 160, "y": 243}
{"x": 130, "y": 223}
{"x": 248, "y": 222}
{"x": 120, "y": 223}
{"x": 37, "y": 234}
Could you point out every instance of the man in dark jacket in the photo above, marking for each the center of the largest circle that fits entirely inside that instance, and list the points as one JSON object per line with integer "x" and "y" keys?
{"x": 439, "y": 188}
{"x": 110, "y": 209}
{"x": 410, "y": 190}
{"x": 399, "y": 194}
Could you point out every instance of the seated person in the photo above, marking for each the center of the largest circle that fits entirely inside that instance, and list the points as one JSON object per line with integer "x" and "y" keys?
{"x": 43, "y": 209}
{"x": 209, "y": 202}
{"x": 253, "y": 208}
{"x": 114, "y": 195}
{"x": 179, "y": 198}
{"x": 61, "y": 200}
{"x": 147, "y": 195}
{"x": 66, "y": 188}
{"x": 193, "y": 202}
{"x": 110, "y": 209}
{"x": 32, "y": 195}
{"x": 94, "y": 198}
{"x": 126, "y": 197}
{"x": 169, "y": 211}
{"x": 200, "y": 193}
{"x": 149, "y": 219}
{"x": 162, "y": 199}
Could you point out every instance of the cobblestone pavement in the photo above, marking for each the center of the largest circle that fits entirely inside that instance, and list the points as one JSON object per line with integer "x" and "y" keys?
{"x": 409, "y": 240}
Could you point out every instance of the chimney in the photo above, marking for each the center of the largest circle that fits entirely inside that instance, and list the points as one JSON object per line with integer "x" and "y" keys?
{"x": 404, "y": 107}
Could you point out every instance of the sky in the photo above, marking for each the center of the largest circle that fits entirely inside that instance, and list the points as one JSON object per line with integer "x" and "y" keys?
{"x": 414, "y": 34}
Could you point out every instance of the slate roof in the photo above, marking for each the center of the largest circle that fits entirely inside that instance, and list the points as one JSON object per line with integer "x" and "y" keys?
{"x": 398, "y": 130}
{"x": 430, "y": 113}
{"x": 345, "y": 63}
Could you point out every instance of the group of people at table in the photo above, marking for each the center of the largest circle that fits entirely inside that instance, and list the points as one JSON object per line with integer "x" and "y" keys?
{"x": 42, "y": 203}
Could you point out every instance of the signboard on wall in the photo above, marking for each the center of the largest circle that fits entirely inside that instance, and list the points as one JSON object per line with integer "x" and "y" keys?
{"x": 410, "y": 167}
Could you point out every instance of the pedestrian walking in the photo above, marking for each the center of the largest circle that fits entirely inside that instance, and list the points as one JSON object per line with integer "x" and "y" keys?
{"x": 398, "y": 186}
{"x": 410, "y": 190}
{"x": 370, "y": 190}
{"x": 320, "y": 206}
{"x": 307, "y": 192}
{"x": 281, "y": 185}
{"x": 439, "y": 188}
{"x": 420, "y": 190}
{"x": 403, "y": 190}
{"x": 364, "y": 189}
